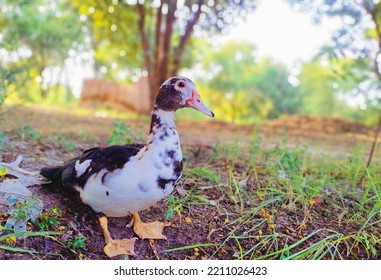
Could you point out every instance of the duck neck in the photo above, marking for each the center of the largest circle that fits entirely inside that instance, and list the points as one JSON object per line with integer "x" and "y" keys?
{"x": 162, "y": 126}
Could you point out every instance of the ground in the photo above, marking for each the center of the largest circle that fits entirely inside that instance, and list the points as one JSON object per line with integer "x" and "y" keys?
{"x": 288, "y": 189}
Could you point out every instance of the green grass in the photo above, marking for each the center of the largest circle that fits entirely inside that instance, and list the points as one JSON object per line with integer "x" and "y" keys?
{"x": 4, "y": 142}
{"x": 67, "y": 144}
{"x": 27, "y": 132}
{"x": 46, "y": 226}
{"x": 286, "y": 202}
{"x": 5, "y": 243}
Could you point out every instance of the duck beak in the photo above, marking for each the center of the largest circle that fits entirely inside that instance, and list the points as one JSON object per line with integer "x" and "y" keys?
{"x": 196, "y": 103}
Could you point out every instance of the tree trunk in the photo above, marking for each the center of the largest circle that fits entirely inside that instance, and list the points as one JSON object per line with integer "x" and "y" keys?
{"x": 166, "y": 41}
{"x": 159, "y": 60}
{"x": 146, "y": 51}
{"x": 43, "y": 91}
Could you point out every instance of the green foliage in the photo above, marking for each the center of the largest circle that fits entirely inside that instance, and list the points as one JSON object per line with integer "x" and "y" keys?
{"x": 27, "y": 132}
{"x": 38, "y": 37}
{"x": 3, "y": 86}
{"x": 4, "y": 143}
{"x": 79, "y": 242}
{"x": 242, "y": 88}
{"x": 175, "y": 205}
{"x": 370, "y": 242}
{"x": 121, "y": 134}
{"x": 48, "y": 220}
{"x": 8, "y": 80}
{"x": 114, "y": 35}
{"x": 272, "y": 79}
{"x": 288, "y": 160}
{"x": 67, "y": 143}
{"x": 3, "y": 171}
{"x": 25, "y": 210}
{"x": 362, "y": 73}
{"x": 317, "y": 84}
{"x": 333, "y": 88}
{"x": 47, "y": 32}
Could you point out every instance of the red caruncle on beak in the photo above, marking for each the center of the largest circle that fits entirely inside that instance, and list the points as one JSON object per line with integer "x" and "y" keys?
{"x": 196, "y": 103}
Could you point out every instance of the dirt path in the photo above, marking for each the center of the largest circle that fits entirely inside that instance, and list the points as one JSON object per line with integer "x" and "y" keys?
{"x": 326, "y": 134}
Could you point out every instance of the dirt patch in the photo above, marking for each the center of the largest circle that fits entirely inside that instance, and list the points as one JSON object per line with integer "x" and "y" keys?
{"x": 94, "y": 127}
{"x": 320, "y": 125}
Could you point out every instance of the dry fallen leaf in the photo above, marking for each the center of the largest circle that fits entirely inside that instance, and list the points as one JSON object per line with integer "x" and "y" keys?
{"x": 25, "y": 177}
{"x": 318, "y": 200}
{"x": 182, "y": 192}
{"x": 14, "y": 196}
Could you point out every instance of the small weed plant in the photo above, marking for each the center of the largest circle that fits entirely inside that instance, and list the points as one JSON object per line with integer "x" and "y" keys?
{"x": 67, "y": 144}
{"x": 121, "y": 134}
{"x": 27, "y": 132}
{"x": 49, "y": 220}
{"x": 78, "y": 242}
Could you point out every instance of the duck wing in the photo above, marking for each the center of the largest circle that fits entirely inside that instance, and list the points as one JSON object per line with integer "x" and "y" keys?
{"x": 77, "y": 171}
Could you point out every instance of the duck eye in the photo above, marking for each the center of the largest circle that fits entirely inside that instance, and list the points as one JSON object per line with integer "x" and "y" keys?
{"x": 181, "y": 84}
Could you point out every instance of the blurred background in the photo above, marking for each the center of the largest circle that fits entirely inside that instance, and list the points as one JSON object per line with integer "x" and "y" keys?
{"x": 251, "y": 60}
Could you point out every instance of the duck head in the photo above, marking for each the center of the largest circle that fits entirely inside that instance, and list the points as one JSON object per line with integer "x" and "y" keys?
{"x": 180, "y": 92}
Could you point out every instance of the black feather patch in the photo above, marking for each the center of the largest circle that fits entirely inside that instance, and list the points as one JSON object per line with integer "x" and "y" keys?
{"x": 162, "y": 182}
{"x": 110, "y": 158}
{"x": 155, "y": 122}
{"x": 177, "y": 170}
{"x": 169, "y": 98}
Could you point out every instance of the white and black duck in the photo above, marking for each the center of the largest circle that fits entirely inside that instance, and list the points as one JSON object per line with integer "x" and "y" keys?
{"x": 117, "y": 181}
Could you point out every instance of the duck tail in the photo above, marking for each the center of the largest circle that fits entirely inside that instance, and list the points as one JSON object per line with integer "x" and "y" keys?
{"x": 53, "y": 174}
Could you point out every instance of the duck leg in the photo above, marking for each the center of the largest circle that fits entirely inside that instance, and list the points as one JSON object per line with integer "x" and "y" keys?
{"x": 151, "y": 230}
{"x": 118, "y": 246}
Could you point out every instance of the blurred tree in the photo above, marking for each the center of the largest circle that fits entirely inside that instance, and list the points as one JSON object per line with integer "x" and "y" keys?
{"x": 7, "y": 78}
{"x": 111, "y": 32}
{"x": 38, "y": 34}
{"x": 359, "y": 36}
{"x": 335, "y": 87}
{"x": 166, "y": 27}
{"x": 317, "y": 87}
{"x": 254, "y": 90}
{"x": 272, "y": 79}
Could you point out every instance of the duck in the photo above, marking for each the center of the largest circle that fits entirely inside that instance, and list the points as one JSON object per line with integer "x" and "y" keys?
{"x": 121, "y": 180}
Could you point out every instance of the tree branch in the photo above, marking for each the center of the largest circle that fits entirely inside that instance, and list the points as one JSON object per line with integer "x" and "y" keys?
{"x": 372, "y": 149}
{"x": 179, "y": 51}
